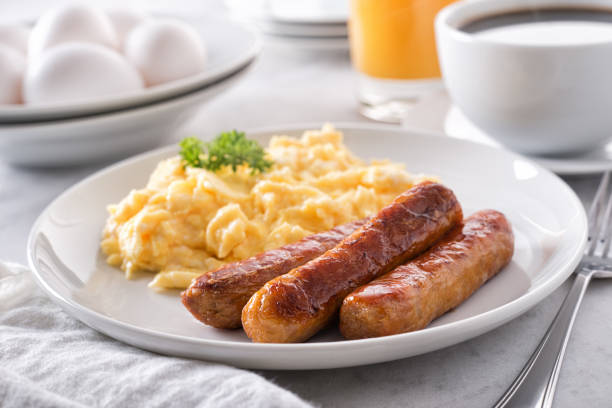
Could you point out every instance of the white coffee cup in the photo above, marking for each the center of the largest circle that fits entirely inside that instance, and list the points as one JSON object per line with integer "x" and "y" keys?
{"x": 535, "y": 98}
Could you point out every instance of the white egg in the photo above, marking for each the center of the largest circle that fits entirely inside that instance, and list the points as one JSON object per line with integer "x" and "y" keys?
{"x": 124, "y": 21}
{"x": 15, "y": 36}
{"x": 73, "y": 22}
{"x": 165, "y": 50}
{"x": 75, "y": 72}
{"x": 12, "y": 65}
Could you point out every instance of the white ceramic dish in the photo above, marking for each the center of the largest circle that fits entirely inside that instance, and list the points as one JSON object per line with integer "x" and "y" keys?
{"x": 548, "y": 219}
{"x": 105, "y": 136}
{"x": 303, "y": 30}
{"x": 458, "y": 126}
{"x": 308, "y": 44}
{"x": 291, "y": 19}
{"x": 230, "y": 45}
{"x": 293, "y": 11}
{"x": 535, "y": 98}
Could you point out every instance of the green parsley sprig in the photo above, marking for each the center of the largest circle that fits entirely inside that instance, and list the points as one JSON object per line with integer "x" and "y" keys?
{"x": 192, "y": 150}
{"x": 228, "y": 149}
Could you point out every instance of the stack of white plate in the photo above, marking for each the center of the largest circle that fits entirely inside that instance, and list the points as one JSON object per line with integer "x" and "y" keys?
{"x": 119, "y": 126}
{"x": 306, "y": 24}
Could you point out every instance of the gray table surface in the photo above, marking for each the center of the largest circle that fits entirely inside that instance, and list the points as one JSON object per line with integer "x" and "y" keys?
{"x": 288, "y": 86}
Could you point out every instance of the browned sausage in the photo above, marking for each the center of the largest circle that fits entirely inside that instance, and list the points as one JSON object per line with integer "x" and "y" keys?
{"x": 217, "y": 298}
{"x": 411, "y": 296}
{"x": 294, "y": 306}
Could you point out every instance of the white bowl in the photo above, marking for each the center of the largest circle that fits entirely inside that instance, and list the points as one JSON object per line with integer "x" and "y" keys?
{"x": 536, "y": 99}
{"x": 105, "y": 136}
{"x": 230, "y": 45}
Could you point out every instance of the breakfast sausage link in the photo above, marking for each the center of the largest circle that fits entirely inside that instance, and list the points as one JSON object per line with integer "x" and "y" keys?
{"x": 294, "y": 306}
{"x": 217, "y": 298}
{"x": 412, "y": 295}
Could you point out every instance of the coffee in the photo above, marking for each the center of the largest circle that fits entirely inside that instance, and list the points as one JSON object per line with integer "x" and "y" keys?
{"x": 558, "y": 26}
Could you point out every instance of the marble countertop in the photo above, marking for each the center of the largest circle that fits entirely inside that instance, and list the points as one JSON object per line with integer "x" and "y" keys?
{"x": 290, "y": 86}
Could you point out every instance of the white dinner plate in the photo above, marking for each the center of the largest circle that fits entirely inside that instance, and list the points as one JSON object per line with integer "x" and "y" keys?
{"x": 548, "y": 220}
{"x": 229, "y": 46}
{"x": 596, "y": 161}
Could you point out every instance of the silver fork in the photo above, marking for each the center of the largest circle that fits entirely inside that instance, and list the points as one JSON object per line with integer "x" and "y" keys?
{"x": 535, "y": 385}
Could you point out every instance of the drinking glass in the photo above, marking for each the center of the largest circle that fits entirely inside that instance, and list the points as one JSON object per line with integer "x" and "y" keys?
{"x": 393, "y": 50}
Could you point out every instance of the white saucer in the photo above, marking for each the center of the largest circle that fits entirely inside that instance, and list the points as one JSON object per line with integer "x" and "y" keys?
{"x": 458, "y": 126}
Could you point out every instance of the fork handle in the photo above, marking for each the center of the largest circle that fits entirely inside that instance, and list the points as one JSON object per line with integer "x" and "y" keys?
{"x": 535, "y": 385}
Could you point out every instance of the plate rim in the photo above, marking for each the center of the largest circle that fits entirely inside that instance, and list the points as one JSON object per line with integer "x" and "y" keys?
{"x": 503, "y": 312}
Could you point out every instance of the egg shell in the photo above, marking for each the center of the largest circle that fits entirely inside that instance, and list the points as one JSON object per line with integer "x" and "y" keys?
{"x": 75, "y": 72}
{"x": 12, "y": 65}
{"x": 124, "y": 20}
{"x": 15, "y": 36}
{"x": 72, "y": 22}
{"x": 165, "y": 50}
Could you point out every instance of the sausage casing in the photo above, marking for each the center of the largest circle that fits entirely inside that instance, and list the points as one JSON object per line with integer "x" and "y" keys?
{"x": 412, "y": 295}
{"x": 294, "y": 306}
{"x": 216, "y": 298}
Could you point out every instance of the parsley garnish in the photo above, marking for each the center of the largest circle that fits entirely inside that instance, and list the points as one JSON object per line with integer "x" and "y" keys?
{"x": 228, "y": 149}
{"x": 192, "y": 151}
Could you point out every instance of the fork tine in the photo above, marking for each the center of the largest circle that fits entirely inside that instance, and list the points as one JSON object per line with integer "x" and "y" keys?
{"x": 604, "y": 237}
{"x": 595, "y": 213}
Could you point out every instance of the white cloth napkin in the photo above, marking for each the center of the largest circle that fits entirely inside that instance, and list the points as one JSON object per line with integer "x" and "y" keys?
{"x": 49, "y": 359}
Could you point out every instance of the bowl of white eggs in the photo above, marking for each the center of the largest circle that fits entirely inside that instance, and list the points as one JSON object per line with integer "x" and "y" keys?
{"x": 83, "y": 84}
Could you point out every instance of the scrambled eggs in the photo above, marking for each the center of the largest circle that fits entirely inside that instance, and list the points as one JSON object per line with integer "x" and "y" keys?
{"x": 187, "y": 221}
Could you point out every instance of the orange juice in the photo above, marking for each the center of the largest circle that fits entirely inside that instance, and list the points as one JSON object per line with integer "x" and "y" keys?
{"x": 394, "y": 39}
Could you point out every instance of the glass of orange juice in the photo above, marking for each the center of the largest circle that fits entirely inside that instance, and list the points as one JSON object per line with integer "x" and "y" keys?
{"x": 393, "y": 50}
